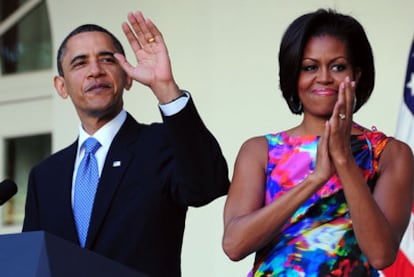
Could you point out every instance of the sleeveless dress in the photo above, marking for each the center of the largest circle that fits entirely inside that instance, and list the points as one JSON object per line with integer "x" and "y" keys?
{"x": 318, "y": 239}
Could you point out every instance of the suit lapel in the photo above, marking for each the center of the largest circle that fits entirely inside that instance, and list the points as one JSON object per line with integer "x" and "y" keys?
{"x": 62, "y": 190}
{"x": 116, "y": 163}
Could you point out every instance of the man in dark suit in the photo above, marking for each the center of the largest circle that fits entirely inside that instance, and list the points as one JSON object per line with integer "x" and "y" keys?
{"x": 148, "y": 174}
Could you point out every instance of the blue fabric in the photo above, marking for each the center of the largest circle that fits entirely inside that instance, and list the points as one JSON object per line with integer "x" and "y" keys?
{"x": 86, "y": 184}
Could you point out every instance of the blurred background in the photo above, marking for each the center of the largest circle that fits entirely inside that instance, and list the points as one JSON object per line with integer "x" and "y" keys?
{"x": 223, "y": 52}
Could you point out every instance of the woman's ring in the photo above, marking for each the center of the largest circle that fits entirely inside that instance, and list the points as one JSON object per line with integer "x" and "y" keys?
{"x": 342, "y": 116}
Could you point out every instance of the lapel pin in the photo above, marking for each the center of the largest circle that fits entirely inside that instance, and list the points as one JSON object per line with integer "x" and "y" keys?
{"x": 116, "y": 164}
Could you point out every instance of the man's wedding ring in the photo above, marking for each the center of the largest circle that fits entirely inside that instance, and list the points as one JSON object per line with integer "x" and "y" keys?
{"x": 151, "y": 40}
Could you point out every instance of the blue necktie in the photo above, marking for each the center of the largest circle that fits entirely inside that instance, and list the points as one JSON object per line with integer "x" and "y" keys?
{"x": 86, "y": 184}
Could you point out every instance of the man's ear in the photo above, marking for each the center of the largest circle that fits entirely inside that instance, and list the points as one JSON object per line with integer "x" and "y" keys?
{"x": 128, "y": 82}
{"x": 59, "y": 83}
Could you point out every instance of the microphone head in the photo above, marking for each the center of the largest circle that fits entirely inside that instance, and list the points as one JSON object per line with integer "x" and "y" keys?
{"x": 8, "y": 188}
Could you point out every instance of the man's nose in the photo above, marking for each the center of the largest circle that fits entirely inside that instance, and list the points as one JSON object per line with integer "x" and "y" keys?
{"x": 96, "y": 69}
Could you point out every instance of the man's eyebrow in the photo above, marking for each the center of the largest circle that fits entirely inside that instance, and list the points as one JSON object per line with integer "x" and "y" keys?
{"x": 106, "y": 53}
{"x": 78, "y": 57}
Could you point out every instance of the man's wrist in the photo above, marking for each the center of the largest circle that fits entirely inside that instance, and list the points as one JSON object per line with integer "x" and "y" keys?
{"x": 182, "y": 94}
{"x": 175, "y": 105}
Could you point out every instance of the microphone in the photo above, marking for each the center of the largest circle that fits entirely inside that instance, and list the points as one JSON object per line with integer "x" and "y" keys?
{"x": 8, "y": 188}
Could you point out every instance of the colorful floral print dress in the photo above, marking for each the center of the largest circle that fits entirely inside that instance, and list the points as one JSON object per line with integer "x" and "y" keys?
{"x": 318, "y": 239}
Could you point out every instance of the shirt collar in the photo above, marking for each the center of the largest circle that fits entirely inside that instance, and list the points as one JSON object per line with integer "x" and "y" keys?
{"x": 106, "y": 133}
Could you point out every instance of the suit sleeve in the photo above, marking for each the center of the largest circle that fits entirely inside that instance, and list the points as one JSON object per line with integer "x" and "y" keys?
{"x": 202, "y": 171}
{"x": 31, "y": 219}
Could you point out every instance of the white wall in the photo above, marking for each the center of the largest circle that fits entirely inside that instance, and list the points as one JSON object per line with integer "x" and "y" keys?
{"x": 225, "y": 53}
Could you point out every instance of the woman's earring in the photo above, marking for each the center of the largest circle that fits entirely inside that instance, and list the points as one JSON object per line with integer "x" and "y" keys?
{"x": 354, "y": 105}
{"x": 298, "y": 108}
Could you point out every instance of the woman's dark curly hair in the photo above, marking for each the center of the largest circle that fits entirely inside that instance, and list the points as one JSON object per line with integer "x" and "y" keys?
{"x": 318, "y": 23}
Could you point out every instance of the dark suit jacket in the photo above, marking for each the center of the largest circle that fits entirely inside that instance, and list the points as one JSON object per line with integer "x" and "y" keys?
{"x": 140, "y": 207}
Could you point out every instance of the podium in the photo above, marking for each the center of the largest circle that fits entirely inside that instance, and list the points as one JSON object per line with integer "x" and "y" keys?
{"x": 40, "y": 254}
